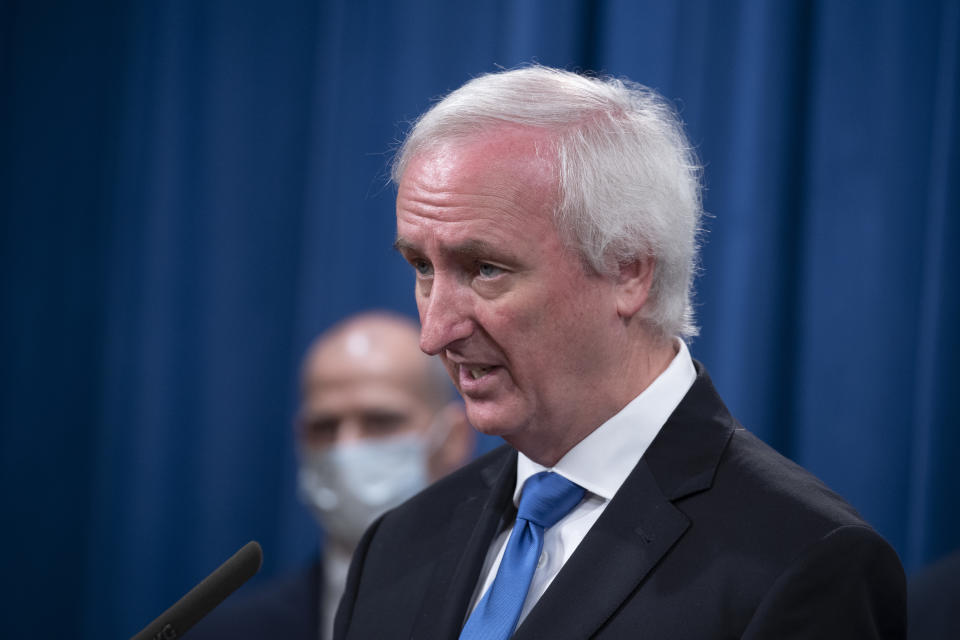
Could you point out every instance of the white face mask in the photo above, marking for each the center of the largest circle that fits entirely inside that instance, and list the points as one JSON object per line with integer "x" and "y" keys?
{"x": 349, "y": 485}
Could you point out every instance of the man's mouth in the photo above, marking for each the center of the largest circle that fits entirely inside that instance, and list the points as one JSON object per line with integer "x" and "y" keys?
{"x": 474, "y": 378}
{"x": 478, "y": 372}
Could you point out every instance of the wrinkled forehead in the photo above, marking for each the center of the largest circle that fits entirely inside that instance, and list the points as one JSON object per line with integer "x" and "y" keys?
{"x": 523, "y": 156}
{"x": 512, "y": 170}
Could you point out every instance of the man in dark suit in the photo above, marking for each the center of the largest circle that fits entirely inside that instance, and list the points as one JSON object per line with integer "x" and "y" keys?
{"x": 551, "y": 221}
{"x": 377, "y": 423}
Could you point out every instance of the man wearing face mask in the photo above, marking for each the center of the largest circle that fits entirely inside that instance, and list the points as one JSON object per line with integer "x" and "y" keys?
{"x": 378, "y": 421}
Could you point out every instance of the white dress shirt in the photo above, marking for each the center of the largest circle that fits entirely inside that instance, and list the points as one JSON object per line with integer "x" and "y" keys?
{"x": 599, "y": 463}
{"x": 336, "y": 565}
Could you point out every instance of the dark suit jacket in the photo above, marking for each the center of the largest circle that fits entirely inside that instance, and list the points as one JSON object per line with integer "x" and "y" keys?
{"x": 713, "y": 535}
{"x": 286, "y": 607}
{"x": 934, "y": 596}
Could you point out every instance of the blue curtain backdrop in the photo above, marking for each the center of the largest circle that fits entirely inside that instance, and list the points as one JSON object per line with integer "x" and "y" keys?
{"x": 191, "y": 190}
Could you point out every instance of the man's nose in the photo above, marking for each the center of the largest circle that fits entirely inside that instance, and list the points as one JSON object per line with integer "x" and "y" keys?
{"x": 349, "y": 431}
{"x": 445, "y": 315}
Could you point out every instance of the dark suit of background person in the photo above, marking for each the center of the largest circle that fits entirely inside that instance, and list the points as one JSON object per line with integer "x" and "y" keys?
{"x": 934, "y": 599}
{"x": 554, "y": 326}
{"x": 376, "y": 424}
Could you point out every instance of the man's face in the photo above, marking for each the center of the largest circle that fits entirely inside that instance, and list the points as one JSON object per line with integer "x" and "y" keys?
{"x": 526, "y": 333}
{"x": 352, "y": 393}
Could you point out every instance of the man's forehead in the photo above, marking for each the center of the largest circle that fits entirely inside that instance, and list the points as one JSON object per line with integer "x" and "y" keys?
{"x": 356, "y": 387}
{"x": 523, "y": 152}
{"x": 370, "y": 389}
{"x": 489, "y": 181}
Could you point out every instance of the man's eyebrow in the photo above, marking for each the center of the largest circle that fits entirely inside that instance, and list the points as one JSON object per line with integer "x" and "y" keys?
{"x": 467, "y": 249}
{"x": 477, "y": 249}
{"x": 402, "y": 245}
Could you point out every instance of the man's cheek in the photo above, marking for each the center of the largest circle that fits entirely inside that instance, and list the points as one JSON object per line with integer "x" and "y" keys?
{"x": 451, "y": 370}
{"x": 523, "y": 321}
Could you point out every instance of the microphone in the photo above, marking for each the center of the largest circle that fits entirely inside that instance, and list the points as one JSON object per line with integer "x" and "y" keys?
{"x": 202, "y": 599}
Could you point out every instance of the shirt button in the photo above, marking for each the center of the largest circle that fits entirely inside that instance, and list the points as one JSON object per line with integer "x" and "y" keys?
{"x": 542, "y": 561}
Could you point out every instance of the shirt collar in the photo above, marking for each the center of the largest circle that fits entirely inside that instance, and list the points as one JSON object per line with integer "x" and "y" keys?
{"x": 601, "y": 462}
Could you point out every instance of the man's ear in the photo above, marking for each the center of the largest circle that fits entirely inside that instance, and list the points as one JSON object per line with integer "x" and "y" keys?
{"x": 457, "y": 445}
{"x": 634, "y": 279}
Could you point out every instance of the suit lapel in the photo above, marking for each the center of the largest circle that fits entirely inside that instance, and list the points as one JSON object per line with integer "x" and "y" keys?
{"x": 473, "y": 525}
{"x": 636, "y": 529}
{"x": 640, "y": 525}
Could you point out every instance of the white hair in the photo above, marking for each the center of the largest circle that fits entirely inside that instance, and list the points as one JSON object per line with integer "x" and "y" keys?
{"x": 629, "y": 179}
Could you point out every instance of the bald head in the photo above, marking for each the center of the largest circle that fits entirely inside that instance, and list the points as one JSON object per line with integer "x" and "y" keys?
{"x": 367, "y": 378}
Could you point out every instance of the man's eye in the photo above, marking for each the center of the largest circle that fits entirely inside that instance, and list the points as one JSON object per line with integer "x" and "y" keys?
{"x": 377, "y": 423}
{"x": 321, "y": 428}
{"x": 488, "y": 270}
{"x": 422, "y": 267}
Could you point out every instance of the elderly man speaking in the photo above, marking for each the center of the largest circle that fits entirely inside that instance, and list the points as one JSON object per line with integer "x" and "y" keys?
{"x": 551, "y": 223}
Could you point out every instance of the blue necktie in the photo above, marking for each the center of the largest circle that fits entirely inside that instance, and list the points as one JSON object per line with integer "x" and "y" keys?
{"x": 546, "y": 498}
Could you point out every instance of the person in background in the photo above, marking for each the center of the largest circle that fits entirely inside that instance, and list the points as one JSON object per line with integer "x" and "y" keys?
{"x": 378, "y": 422}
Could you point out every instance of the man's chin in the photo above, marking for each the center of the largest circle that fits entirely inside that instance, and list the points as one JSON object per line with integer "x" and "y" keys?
{"x": 492, "y": 421}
